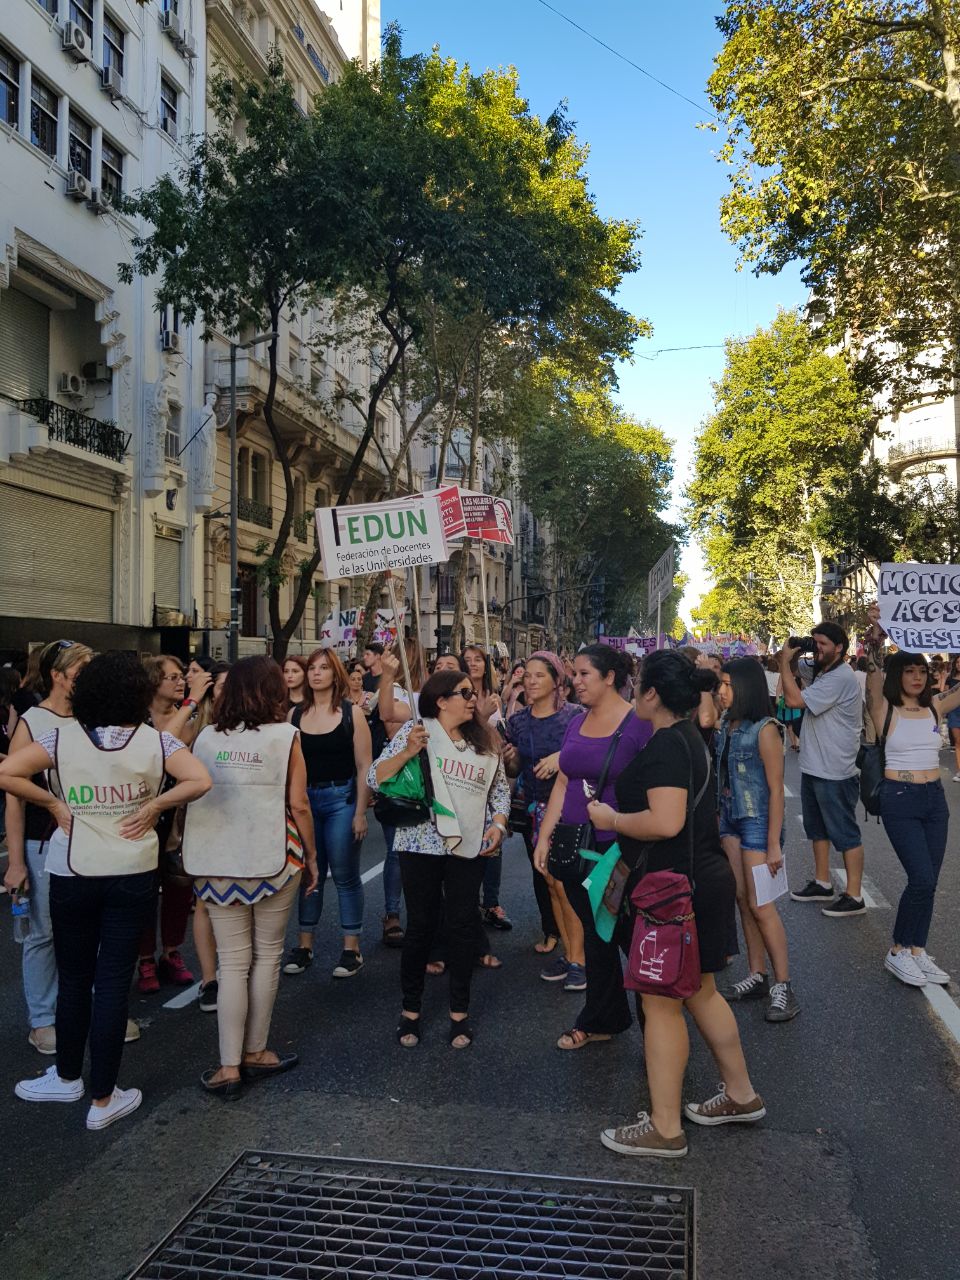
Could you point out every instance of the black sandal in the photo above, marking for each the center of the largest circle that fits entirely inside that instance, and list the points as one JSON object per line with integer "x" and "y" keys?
{"x": 461, "y": 1028}
{"x": 408, "y": 1027}
{"x": 393, "y": 934}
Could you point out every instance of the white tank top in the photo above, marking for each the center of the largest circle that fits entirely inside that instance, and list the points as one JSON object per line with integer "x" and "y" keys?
{"x": 102, "y": 786}
{"x": 239, "y": 828}
{"x": 913, "y": 746}
{"x": 40, "y": 720}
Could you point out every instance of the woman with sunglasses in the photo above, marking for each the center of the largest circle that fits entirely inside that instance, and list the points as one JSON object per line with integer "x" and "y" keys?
{"x": 442, "y": 860}
{"x": 29, "y": 828}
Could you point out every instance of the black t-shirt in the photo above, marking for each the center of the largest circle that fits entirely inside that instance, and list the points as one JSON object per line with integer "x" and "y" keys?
{"x": 664, "y": 762}
{"x": 371, "y": 683}
{"x": 23, "y": 700}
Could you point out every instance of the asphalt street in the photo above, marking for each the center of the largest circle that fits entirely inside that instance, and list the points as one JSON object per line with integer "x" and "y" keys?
{"x": 853, "y": 1174}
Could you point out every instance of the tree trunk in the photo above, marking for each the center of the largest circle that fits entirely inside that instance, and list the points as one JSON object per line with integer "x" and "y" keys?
{"x": 460, "y": 597}
{"x": 817, "y": 599}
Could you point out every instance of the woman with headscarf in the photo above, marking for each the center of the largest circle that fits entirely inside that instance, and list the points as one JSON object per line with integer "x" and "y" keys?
{"x": 532, "y": 753}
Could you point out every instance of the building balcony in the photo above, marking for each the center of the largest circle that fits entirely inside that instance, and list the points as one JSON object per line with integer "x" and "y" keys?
{"x": 69, "y": 426}
{"x": 255, "y": 512}
{"x": 921, "y": 449}
{"x": 302, "y": 525}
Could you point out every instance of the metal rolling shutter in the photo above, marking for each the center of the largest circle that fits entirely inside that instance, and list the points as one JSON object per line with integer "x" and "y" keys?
{"x": 57, "y": 557}
{"x": 166, "y": 571}
{"x": 24, "y": 346}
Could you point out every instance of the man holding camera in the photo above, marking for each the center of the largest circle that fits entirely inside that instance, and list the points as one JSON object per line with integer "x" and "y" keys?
{"x": 829, "y": 740}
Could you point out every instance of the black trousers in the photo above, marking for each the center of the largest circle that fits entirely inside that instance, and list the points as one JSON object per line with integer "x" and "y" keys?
{"x": 606, "y": 1011}
{"x": 435, "y": 886}
{"x": 548, "y": 923}
{"x": 97, "y": 922}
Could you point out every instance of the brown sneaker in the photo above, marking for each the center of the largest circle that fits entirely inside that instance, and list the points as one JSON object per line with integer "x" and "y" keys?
{"x": 642, "y": 1139}
{"x": 723, "y": 1110}
{"x": 43, "y": 1039}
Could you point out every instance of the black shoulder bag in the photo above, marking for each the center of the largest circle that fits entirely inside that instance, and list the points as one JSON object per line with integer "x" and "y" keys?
{"x": 563, "y": 861}
{"x": 872, "y": 763}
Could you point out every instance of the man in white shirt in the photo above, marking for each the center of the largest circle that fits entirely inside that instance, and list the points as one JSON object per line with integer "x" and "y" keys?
{"x": 829, "y": 782}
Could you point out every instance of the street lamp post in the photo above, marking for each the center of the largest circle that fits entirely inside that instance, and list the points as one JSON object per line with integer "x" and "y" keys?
{"x": 233, "y": 640}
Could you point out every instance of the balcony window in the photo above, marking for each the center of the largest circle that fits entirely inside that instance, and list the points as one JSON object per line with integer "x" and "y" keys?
{"x": 171, "y": 437}
{"x": 258, "y": 477}
{"x": 113, "y": 38}
{"x": 111, "y": 170}
{"x": 168, "y": 103}
{"x": 43, "y": 118}
{"x": 49, "y": 6}
{"x": 81, "y": 12}
{"x": 81, "y": 146}
{"x": 9, "y": 89}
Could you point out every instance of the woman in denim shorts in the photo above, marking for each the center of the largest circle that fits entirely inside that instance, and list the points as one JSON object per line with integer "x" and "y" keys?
{"x": 749, "y": 777}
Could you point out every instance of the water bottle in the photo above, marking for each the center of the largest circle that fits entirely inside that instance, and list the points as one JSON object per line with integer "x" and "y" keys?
{"x": 20, "y": 910}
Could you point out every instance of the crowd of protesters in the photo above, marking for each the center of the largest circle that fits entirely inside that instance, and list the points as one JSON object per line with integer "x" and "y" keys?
{"x": 143, "y": 795}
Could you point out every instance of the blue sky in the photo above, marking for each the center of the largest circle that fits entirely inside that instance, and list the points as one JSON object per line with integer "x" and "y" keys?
{"x": 648, "y": 162}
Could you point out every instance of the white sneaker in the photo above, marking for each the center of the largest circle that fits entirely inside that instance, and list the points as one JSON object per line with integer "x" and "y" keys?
{"x": 904, "y": 966}
{"x": 49, "y": 1088}
{"x": 121, "y": 1104}
{"x": 956, "y": 777}
{"x": 932, "y": 972}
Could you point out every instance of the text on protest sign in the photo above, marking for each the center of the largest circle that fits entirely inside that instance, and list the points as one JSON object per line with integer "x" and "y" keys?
{"x": 660, "y": 578}
{"x": 487, "y": 518}
{"x": 369, "y": 538}
{"x": 920, "y": 606}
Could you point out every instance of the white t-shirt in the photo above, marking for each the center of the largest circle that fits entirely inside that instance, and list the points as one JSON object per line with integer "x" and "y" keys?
{"x": 112, "y": 737}
{"x": 831, "y": 725}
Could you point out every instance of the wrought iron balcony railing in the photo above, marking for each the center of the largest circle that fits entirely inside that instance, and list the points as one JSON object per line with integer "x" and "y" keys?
{"x": 925, "y": 446}
{"x": 70, "y": 426}
{"x": 302, "y": 526}
{"x": 255, "y": 512}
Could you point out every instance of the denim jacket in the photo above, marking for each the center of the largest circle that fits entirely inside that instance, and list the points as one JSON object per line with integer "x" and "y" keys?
{"x": 749, "y": 793}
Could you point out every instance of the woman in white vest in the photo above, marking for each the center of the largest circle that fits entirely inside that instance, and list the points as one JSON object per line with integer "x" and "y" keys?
{"x": 102, "y": 863}
{"x": 29, "y": 829}
{"x": 245, "y": 844}
{"x": 442, "y": 860}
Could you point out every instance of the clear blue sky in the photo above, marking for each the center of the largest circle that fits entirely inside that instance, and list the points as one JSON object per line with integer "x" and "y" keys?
{"x": 648, "y": 162}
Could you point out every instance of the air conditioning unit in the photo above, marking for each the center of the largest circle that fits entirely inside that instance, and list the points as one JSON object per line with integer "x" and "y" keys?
{"x": 73, "y": 385}
{"x": 101, "y": 201}
{"x": 188, "y": 47}
{"x": 75, "y": 41}
{"x": 78, "y": 186}
{"x": 95, "y": 371}
{"x": 169, "y": 340}
{"x": 172, "y": 26}
{"x": 169, "y": 127}
{"x": 111, "y": 81}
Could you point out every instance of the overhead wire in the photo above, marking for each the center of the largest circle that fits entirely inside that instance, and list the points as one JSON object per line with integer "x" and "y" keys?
{"x": 699, "y": 106}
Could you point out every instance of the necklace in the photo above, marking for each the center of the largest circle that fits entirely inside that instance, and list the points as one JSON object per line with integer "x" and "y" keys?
{"x": 459, "y": 743}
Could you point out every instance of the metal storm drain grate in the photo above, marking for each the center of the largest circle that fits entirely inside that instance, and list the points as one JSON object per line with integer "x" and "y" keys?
{"x": 321, "y": 1218}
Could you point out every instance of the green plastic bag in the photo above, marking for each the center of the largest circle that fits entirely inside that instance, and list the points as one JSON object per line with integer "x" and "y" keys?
{"x": 595, "y": 885}
{"x": 407, "y": 784}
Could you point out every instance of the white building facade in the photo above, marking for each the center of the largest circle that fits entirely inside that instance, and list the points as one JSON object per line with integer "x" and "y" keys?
{"x": 99, "y": 392}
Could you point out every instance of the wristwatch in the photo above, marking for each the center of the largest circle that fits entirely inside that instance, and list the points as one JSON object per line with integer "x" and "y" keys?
{"x": 501, "y": 827}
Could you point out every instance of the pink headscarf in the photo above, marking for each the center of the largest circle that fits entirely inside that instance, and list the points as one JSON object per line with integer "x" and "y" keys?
{"x": 556, "y": 666}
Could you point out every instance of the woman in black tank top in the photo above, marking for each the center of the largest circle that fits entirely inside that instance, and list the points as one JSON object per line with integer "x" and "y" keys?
{"x": 335, "y": 739}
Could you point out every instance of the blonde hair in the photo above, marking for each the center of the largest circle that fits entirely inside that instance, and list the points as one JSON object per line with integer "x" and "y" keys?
{"x": 60, "y": 656}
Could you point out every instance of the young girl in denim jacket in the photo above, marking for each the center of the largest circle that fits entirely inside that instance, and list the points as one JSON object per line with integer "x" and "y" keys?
{"x": 749, "y": 779}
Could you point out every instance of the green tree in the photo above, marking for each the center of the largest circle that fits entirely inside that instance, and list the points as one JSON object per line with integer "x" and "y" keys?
{"x": 842, "y": 121}
{"x": 600, "y": 479}
{"x": 413, "y": 188}
{"x": 787, "y": 431}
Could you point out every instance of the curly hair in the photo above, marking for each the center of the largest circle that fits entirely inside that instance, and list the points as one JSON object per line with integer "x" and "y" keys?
{"x": 441, "y": 685}
{"x": 253, "y": 694}
{"x": 112, "y": 689}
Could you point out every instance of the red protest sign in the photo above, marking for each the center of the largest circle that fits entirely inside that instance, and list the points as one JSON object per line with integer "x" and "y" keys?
{"x": 486, "y": 517}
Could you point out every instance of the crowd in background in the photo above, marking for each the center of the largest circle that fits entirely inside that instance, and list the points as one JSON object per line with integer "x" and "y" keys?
{"x": 146, "y": 798}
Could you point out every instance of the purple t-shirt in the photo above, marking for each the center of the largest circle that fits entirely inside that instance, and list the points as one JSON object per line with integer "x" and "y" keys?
{"x": 582, "y": 759}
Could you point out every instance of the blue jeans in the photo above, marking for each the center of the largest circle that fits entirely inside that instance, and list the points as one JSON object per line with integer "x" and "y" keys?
{"x": 829, "y": 807}
{"x": 333, "y": 809}
{"x": 915, "y": 817}
{"x": 392, "y": 884}
{"x": 39, "y": 961}
{"x": 491, "y": 882}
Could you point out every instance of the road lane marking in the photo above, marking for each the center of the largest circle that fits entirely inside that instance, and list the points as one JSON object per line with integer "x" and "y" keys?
{"x": 788, "y": 793}
{"x": 187, "y": 996}
{"x": 873, "y": 899}
{"x": 373, "y": 872}
{"x": 946, "y": 1009}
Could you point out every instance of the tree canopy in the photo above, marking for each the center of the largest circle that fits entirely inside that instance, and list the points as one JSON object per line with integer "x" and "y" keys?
{"x": 788, "y": 431}
{"x": 842, "y": 122}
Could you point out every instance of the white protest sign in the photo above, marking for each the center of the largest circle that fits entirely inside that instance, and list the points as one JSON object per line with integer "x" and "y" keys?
{"x": 371, "y": 537}
{"x": 660, "y": 578}
{"x": 920, "y": 606}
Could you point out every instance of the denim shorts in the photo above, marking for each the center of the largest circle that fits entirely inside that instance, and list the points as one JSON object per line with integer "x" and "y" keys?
{"x": 830, "y": 810}
{"x": 750, "y": 831}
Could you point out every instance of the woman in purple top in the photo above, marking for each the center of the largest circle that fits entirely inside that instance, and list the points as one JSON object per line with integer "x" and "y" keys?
{"x": 598, "y": 672}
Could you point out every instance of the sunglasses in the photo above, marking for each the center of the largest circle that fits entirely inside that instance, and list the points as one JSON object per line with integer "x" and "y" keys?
{"x": 466, "y": 694}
